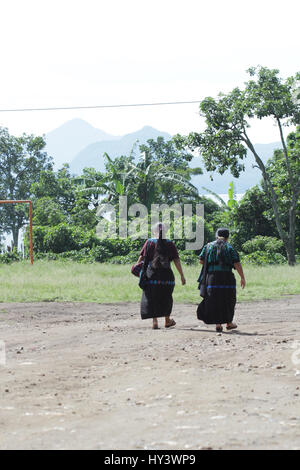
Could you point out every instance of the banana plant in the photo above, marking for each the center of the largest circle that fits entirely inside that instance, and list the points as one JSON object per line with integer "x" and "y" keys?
{"x": 111, "y": 184}
{"x": 232, "y": 202}
{"x": 138, "y": 179}
{"x": 147, "y": 173}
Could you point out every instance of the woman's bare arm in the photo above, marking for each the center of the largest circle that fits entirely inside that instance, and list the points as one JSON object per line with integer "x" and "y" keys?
{"x": 239, "y": 269}
{"x": 179, "y": 269}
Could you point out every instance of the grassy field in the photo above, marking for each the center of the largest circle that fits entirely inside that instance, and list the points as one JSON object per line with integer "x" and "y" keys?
{"x": 105, "y": 283}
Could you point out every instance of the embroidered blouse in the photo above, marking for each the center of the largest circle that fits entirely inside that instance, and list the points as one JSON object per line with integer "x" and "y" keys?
{"x": 218, "y": 262}
{"x": 171, "y": 247}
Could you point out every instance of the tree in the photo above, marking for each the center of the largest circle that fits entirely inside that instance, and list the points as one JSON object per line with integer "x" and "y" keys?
{"x": 22, "y": 160}
{"x": 224, "y": 142}
{"x": 148, "y": 175}
{"x": 175, "y": 159}
{"x": 252, "y": 217}
{"x": 160, "y": 174}
{"x": 47, "y": 212}
{"x": 61, "y": 197}
{"x": 114, "y": 180}
{"x": 279, "y": 176}
{"x": 232, "y": 201}
{"x": 104, "y": 187}
{"x": 60, "y": 186}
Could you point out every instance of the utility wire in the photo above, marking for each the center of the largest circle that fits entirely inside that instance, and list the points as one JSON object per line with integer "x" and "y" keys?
{"x": 19, "y": 110}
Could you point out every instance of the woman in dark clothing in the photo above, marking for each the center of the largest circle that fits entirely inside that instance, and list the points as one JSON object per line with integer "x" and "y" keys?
{"x": 219, "y": 301}
{"x": 157, "y": 300}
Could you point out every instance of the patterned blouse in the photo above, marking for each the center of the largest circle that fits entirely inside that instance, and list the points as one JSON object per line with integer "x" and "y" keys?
{"x": 218, "y": 261}
{"x": 172, "y": 250}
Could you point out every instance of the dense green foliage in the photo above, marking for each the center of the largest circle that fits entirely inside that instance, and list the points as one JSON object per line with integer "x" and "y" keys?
{"x": 264, "y": 224}
{"x": 22, "y": 160}
{"x": 225, "y": 140}
{"x": 264, "y": 250}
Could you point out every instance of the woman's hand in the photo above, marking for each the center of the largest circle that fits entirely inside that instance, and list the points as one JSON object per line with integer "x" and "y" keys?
{"x": 179, "y": 269}
{"x": 239, "y": 269}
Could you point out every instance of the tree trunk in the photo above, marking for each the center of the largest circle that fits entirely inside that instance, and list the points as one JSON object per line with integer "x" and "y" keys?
{"x": 15, "y": 234}
{"x": 291, "y": 253}
{"x": 291, "y": 245}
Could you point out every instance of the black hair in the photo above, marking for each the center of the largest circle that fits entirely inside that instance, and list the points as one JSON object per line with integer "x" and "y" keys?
{"x": 161, "y": 248}
{"x": 222, "y": 232}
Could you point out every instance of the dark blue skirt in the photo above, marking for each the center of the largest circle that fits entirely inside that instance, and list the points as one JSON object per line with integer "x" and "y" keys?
{"x": 218, "y": 305}
{"x": 157, "y": 299}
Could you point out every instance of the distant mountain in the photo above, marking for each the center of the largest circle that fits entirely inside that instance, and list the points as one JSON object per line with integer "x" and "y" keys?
{"x": 248, "y": 178}
{"x": 92, "y": 155}
{"x": 81, "y": 145}
{"x": 64, "y": 143}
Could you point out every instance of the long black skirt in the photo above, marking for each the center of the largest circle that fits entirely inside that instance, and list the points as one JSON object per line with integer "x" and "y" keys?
{"x": 157, "y": 299}
{"x": 218, "y": 305}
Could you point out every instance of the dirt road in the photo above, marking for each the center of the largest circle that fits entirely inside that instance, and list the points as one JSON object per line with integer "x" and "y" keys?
{"x": 89, "y": 376}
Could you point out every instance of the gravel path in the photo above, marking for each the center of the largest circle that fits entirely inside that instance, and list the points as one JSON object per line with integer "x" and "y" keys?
{"x": 90, "y": 376}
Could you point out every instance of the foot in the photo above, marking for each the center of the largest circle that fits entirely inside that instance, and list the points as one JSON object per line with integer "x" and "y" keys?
{"x": 155, "y": 324}
{"x": 231, "y": 326}
{"x": 219, "y": 328}
{"x": 170, "y": 323}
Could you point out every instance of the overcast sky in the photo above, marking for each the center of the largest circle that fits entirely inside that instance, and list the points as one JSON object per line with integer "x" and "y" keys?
{"x": 85, "y": 53}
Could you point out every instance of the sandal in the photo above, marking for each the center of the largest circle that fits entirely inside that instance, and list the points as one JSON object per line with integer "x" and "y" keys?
{"x": 170, "y": 323}
{"x": 232, "y": 326}
{"x": 219, "y": 329}
{"x": 155, "y": 325}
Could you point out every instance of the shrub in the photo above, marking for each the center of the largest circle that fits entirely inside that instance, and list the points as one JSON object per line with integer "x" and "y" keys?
{"x": 131, "y": 258}
{"x": 261, "y": 258}
{"x": 47, "y": 256}
{"x": 62, "y": 238}
{"x": 264, "y": 244}
{"x": 10, "y": 257}
{"x": 119, "y": 246}
{"x": 82, "y": 256}
{"x": 189, "y": 258}
{"x": 100, "y": 253}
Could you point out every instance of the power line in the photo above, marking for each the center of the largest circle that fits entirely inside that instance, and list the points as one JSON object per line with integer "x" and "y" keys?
{"x": 21, "y": 110}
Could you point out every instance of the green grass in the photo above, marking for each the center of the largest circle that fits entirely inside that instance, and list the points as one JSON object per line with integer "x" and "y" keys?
{"x": 106, "y": 283}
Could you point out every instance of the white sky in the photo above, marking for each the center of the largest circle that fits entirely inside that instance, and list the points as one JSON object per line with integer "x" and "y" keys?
{"x": 86, "y": 52}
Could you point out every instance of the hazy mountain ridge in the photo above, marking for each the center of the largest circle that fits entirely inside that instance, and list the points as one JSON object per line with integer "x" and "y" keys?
{"x": 81, "y": 145}
{"x": 91, "y": 156}
{"x": 66, "y": 141}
